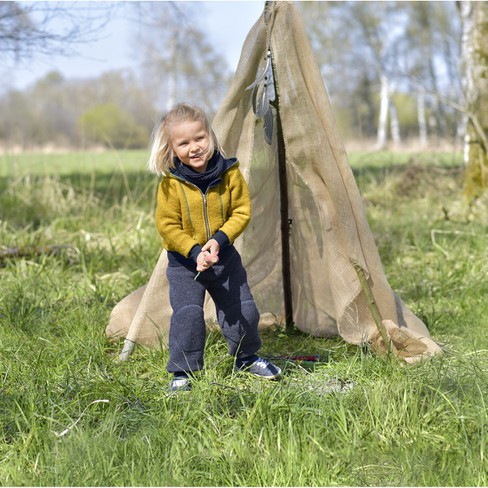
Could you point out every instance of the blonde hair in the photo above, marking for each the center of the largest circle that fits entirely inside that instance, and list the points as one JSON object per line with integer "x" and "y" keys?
{"x": 161, "y": 155}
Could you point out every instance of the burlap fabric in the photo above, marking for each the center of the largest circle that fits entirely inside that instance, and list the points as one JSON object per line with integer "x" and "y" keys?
{"x": 328, "y": 229}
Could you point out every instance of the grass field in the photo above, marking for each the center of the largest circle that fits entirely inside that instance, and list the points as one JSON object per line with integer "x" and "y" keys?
{"x": 71, "y": 415}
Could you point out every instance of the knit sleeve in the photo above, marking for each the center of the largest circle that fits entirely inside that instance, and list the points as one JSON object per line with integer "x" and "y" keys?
{"x": 169, "y": 219}
{"x": 240, "y": 210}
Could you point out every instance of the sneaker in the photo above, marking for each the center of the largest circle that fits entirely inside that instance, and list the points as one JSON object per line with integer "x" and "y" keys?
{"x": 261, "y": 368}
{"x": 181, "y": 383}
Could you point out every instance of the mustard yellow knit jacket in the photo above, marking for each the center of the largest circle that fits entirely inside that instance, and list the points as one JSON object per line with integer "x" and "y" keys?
{"x": 186, "y": 217}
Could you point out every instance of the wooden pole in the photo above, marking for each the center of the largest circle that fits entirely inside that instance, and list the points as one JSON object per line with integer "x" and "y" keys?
{"x": 284, "y": 211}
{"x": 285, "y": 221}
{"x": 373, "y": 308}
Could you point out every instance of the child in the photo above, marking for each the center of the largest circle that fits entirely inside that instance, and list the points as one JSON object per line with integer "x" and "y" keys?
{"x": 203, "y": 206}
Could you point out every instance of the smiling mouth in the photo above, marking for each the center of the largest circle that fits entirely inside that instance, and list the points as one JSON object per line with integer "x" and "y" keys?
{"x": 200, "y": 154}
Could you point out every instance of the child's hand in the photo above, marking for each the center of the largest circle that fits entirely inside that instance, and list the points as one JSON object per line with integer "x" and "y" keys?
{"x": 212, "y": 246}
{"x": 209, "y": 255}
{"x": 205, "y": 260}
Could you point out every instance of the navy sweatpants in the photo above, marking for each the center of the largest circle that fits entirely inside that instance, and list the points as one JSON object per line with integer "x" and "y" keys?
{"x": 238, "y": 317}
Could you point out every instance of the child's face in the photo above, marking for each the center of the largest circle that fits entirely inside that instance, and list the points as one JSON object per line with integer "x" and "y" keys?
{"x": 190, "y": 142}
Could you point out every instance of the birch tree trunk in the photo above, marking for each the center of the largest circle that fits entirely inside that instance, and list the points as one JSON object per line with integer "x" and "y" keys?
{"x": 172, "y": 73}
{"x": 383, "y": 117}
{"x": 395, "y": 125}
{"x": 474, "y": 17}
{"x": 422, "y": 121}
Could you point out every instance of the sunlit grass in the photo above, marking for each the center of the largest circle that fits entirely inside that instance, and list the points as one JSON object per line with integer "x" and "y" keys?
{"x": 62, "y": 164}
{"x": 71, "y": 414}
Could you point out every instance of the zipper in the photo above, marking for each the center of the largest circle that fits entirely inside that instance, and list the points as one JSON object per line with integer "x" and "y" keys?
{"x": 204, "y": 197}
{"x": 205, "y": 214}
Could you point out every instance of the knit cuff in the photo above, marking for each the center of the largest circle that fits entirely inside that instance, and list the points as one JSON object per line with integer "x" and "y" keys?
{"x": 195, "y": 251}
{"x": 221, "y": 238}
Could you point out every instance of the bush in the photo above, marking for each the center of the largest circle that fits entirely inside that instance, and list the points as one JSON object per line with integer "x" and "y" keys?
{"x": 111, "y": 126}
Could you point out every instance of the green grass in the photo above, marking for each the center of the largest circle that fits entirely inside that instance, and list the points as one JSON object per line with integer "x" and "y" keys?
{"x": 71, "y": 414}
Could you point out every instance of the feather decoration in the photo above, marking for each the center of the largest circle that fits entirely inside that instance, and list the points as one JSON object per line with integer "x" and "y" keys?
{"x": 262, "y": 96}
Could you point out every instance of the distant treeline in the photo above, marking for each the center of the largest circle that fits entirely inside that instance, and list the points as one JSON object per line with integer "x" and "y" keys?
{"x": 392, "y": 70}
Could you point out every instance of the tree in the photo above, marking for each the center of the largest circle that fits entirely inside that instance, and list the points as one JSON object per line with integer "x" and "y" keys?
{"x": 474, "y": 16}
{"x": 111, "y": 126}
{"x": 28, "y": 28}
{"x": 48, "y": 112}
{"x": 344, "y": 64}
{"x": 122, "y": 88}
{"x": 431, "y": 63}
{"x": 369, "y": 35}
{"x": 369, "y": 52}
{"x": 178, "y": 62}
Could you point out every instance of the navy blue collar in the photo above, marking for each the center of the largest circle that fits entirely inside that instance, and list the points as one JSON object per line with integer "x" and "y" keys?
{"x": 216, "y": 166}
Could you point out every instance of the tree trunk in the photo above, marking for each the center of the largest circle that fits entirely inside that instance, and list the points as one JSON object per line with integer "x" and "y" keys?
{"x": 474, "y": 17}
{"x": 422, "y": 121}
{"x": 172, "y": 73}
{"x": 395, "y": 125}
{"x": 383, "y": 117}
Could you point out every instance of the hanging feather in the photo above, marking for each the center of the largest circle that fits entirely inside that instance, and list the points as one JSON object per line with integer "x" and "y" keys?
{"x": 268, "y": 125}
{"x": 262, "y": 96}
{"x": 260, "y": 100}
{"x": 263, "y": 73}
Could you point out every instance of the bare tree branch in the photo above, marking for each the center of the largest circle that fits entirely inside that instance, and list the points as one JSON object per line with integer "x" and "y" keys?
{"x": 46, "y": 28}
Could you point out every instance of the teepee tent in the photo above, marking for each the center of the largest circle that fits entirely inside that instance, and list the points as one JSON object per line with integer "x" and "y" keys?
{"x": 308, "y": 250}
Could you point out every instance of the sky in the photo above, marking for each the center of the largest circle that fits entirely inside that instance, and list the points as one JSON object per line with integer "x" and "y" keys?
{"x": 112, "y": 50}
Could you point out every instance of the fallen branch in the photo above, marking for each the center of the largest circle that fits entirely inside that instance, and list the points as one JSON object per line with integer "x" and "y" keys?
{"x": 65, "y": 431}
{"x": 31, "y": 251}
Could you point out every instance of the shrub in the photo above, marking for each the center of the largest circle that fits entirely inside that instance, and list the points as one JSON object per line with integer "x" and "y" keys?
{"x": 111, "y": 126}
